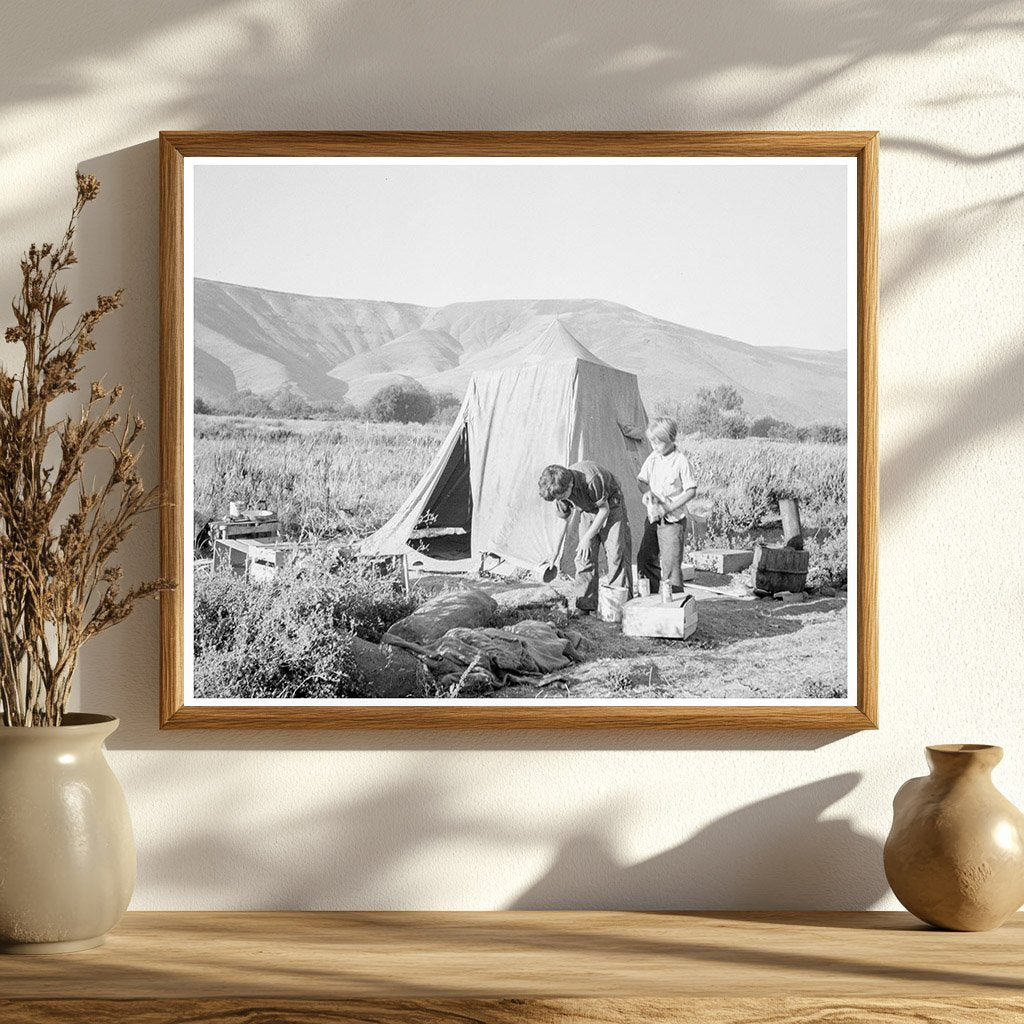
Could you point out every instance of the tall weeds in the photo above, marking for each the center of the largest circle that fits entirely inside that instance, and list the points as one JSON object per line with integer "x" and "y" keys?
{"x": 59, "y": 527}
{"x": 740, "y": 483}
{"x": 291, "y": 635}
{"x": 342, "y": 479}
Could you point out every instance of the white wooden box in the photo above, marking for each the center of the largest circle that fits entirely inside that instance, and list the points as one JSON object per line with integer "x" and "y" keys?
{"x": 650, "y": 616}
{"x": 722, "y": 560}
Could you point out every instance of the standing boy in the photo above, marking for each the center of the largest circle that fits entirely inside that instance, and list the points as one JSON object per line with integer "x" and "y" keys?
{"x": 596, "y": 493}
{"x": 667, "y": 485}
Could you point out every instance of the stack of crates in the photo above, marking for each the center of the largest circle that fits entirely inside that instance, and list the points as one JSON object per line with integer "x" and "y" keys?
{"x": 238, "y": 539}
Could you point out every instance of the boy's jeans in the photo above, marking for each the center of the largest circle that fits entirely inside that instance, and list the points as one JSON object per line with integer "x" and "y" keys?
{"x": 614, "y": 536}
{"x": 660, "y": 555}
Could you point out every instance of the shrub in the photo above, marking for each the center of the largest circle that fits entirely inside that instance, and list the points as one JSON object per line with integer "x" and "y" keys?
{"x": 739, "y": 485}
{"x": 713, "y": 412}
{"x": 286, "y": 402}
{"x": 446, "y": 406}
{"x": 782, "y": 431}
{"x": 290, "y": 636}
{"x": 267, "y": 640}
{"x": 732, "y": 424}
{"x": 401, "y": 403}
{"x": 829, "y": 561}
{"x": 763, "y": 426}
{"x": 829, "y": 433}
{"x": 248, "y": 404}
{"x": 341, "y": 410}
{"x": 740, "y": 482}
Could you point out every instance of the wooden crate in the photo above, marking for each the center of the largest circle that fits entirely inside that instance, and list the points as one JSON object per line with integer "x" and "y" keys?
{"x": 722, "y": 560}
{"x": 248, "y": 528}
{"x": 266, "y": 559}
{"x": 650, "y": 616}
{"x": 256, "y": 559}
{"x": 232, "y": 554}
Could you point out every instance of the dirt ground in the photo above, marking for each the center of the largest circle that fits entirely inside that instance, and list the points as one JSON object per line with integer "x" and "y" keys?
{"x": 744, "y": 647}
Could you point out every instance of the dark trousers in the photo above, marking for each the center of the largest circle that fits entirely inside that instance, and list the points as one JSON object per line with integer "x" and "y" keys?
{"x": 660, "y": 556}
{"x": 618, "y": 550}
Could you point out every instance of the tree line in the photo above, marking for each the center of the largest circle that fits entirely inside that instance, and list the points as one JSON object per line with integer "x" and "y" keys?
{"x": 718, "y": 412}
{"x": 711, "y": 412}
{"x": 395, "y": 403}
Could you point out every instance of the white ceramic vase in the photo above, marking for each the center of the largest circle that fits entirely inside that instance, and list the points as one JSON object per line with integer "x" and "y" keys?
{"x": 67, "y": 855}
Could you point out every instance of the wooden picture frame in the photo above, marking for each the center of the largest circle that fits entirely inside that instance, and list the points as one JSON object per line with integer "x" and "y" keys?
{"x": 177, "y": 147}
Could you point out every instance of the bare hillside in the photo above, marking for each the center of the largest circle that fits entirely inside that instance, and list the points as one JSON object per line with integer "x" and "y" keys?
{"x": 328, "y": 348}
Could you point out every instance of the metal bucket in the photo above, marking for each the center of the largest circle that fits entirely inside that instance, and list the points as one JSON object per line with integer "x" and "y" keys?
{"x": 610, "y": 601}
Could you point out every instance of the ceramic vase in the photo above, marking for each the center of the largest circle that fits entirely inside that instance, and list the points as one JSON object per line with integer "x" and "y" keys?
{"x": 67, "y": 855}
{"x": 955, "y": 854}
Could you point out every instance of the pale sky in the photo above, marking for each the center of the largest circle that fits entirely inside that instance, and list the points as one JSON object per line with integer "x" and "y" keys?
{"x": 752, "y": 251}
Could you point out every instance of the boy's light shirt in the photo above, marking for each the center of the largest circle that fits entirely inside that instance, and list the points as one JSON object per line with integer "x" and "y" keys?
{"x": 668, "y": 476}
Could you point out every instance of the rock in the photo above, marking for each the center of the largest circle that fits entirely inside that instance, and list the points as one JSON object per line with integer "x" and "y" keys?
{"x": 527, "y": 597}
{"x": 467, "y": 607}
{"x": 386, "y": 671}
{"x": 827, "y": 591}
{"x": 791, "y": 597}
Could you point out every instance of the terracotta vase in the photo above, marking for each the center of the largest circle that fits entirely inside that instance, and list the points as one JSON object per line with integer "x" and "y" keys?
{"x": 67, "y": 856}
{"x": 955, "y": 854}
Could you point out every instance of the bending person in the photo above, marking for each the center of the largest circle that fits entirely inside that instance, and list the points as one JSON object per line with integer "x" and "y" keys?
{"x": 596, "y": 494}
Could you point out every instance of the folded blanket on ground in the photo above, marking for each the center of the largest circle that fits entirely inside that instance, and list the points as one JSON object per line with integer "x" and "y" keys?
{"x": 465, "y": 606}
{"x": 477, "y": 660}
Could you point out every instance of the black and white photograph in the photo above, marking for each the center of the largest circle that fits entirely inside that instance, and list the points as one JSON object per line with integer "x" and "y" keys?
{"x": 575, "y": 430}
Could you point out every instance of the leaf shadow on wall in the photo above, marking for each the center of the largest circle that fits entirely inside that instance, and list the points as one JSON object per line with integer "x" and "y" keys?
{"x": 541, "y": 66}
{"x": 535, "y": 64}
{"x": 778, "y": 853}
{"x": 963, "y": 417}
{"x": 298, "y": 58}
{"x": 329, "y": 78}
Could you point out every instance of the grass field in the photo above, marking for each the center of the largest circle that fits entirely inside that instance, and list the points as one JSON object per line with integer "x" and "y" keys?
{"x": 332, "y": 479}
{"x": 345, "y": 479}
{"x": 340, "y": 481}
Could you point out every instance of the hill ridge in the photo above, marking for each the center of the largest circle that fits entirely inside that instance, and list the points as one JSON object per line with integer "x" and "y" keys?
{"x": 249, "y": 338}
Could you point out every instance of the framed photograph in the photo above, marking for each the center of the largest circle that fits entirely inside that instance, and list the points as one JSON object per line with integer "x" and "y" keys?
{"x": 519, "y": 429}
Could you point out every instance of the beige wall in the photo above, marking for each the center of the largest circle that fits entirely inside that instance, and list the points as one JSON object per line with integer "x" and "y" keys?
{"x": 633, "y": 820}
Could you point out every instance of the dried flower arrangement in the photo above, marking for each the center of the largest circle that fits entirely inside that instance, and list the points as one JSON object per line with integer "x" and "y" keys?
{"x": 58, "y": 588}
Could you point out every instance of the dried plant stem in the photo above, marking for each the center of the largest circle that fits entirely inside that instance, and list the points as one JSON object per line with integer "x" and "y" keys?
{"x": 58, "y": 588}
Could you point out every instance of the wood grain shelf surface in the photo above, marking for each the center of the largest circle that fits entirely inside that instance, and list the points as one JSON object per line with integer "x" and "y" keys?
{"x": 524, "y": 966}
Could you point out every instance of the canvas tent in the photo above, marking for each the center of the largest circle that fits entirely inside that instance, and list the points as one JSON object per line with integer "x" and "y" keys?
{"x": 477, "y": 504}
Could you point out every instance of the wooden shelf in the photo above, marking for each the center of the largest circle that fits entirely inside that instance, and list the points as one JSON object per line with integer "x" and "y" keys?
{"x": 424, "y": 968}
